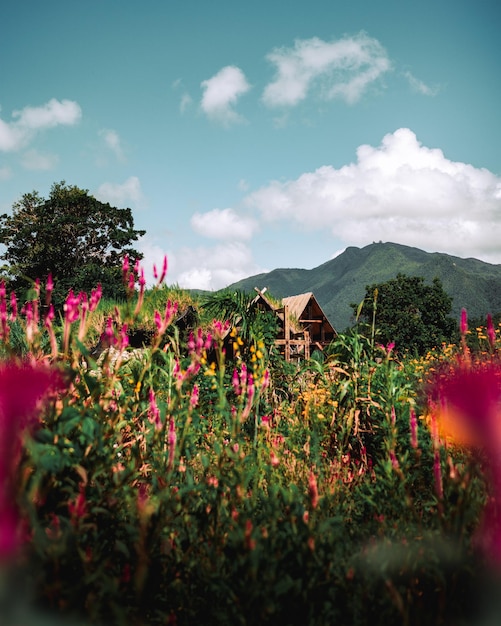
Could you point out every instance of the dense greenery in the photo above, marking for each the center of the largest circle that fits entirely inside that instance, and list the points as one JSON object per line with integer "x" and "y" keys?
{"x": 77, "y": 239}
{"x": 408, "y": 313}
{"x": 171, "y": 485}
{"x": 471, "y": 283}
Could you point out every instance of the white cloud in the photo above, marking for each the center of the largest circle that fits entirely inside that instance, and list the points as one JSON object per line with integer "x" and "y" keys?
{"x": 128, "y": 192}
{"x": 34, "y": 160}
{"x": 17, "y": 134}
{"x": 420, "y": 87}
{"x": 186, "y": 102}
{"x": 215, "y": 267}
{"x": 400, "y": 191}
{"x": 223, "y": 224}
{"x": 5, "y": 173}
{"x": 342, "y": 68}
{"x": 113, "y": 142}
{"x": 221, "y": 93}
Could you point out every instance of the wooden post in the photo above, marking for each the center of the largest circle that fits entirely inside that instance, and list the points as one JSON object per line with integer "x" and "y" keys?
{"x": 287, "y": 335}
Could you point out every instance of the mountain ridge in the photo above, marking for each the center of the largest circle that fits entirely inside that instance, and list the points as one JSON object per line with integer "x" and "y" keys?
{"x": 473, "y": 284}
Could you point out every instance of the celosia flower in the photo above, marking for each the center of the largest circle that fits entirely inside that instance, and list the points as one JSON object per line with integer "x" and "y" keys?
{"x": 154, "y": 411}
{"x": 463, "y": 324}
{"x": 13, "y": 306}
{"x": 194, "y": 396}
{"x": 169, "y": 314}
{"x": 171, "y": 440}
{"x": 313, "y": 490}
{"x": 21, "y": 389}
{"x": 125, "y": 268}
{"x": 77, "y": 508}
{"x": 95, "y": 297}
{"x": 49, "y": 287}
{"x": 491, "y": 333}
{"x": 466, "y": 405}
{"x": 413, "y": 427}
{"x": 163, "y": 274}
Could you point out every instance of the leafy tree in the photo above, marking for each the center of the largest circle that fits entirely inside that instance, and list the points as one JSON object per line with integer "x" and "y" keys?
{"x": 71, "y": 235}
{"x": 406, "y": 311}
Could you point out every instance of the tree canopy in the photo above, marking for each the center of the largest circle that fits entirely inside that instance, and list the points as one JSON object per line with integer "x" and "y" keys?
{"x": 410, "y": 313}
{"x": 71, "y": 235}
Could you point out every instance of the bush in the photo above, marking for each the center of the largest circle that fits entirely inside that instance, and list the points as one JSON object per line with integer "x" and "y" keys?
{"x": 163, "y": 486}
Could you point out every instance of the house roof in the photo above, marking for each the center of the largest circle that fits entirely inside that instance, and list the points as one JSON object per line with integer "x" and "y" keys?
{"x": 297, "y": 304}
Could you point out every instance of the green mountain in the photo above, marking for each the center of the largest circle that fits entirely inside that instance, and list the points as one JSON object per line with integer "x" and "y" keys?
{"x": 473, "y": 284}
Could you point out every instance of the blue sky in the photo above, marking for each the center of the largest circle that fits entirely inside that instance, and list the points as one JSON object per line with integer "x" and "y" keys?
{"x": 250, "y": 136}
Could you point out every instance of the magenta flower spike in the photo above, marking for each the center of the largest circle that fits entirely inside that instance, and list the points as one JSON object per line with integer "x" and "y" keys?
{"x": 413, "y": 427}
{"x": 235, "y": 381}
{"x": 125, "y": 268}
{"x": 95, "y": 297}
{"x": 313, "y": 489}
{"x": 463, "y": 325}
{"x": 160, "y": 279}
{"x": 13, "y": 306}
{"x": 154, "y": 411}
{"x": 491, "y": 333}
{"x": 172, "y": 439}
{"x": 195, "y": 393}
{"x": 22, "y": 387}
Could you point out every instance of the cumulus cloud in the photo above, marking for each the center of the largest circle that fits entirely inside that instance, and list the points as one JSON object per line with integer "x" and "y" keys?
{"x": 34, "y": 160}
{"x": 214, "y": 267}
{"x": 420, "y": 87}
{"x": 223, "y": 224}
{"x": 399, "y": 191}
{"x": 27, "y": 122}
{"x": 123, "y": 194}
{"x": 342, "y": 68}
{"x": 112, "y": 140}
{"x": 5, "y": 173}
{"x": 221, "y": 93}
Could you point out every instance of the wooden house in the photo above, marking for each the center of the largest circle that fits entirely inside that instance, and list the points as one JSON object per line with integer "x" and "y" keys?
{"x": 303, "y": 326}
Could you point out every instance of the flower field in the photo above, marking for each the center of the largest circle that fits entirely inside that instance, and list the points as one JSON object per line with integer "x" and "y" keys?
{"x": 171, "y": 485}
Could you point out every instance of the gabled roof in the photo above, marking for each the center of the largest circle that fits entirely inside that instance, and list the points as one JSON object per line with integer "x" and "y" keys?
{"x": 297, "y": 304}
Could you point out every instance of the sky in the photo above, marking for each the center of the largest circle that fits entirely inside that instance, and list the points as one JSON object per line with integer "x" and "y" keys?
{"x": 249, "y": 136}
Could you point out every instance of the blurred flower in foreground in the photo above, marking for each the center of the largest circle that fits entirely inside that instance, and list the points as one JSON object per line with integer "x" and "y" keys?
{"x": 22, "y": 386}
{"x": 466, "y": 401}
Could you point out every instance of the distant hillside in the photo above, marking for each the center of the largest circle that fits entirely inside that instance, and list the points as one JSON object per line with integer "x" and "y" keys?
{"x": 473, "y": 284}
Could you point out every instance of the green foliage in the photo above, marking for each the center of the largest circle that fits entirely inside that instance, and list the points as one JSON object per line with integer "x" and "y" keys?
{"x": 471, "y": 283}
{"x": 165, "y": 487}
{"x": 71, "y": 235}
{"x": 407, "y": 312}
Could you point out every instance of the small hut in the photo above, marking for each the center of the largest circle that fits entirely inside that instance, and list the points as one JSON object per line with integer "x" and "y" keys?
{"x": 303, "y": 325}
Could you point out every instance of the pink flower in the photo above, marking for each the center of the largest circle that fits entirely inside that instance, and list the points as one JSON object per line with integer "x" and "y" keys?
{"x": 13, "y": 306}
{"x": 194, "y": 396}
{"x": 463, "y": 324}
{"x": 95, "y": 297}
{"x": 169, "y": 314}
{"x": 172, "y": 439}
{"x": 49, "y": 287}
{"x": 77, "y": 508}
{"x": 163, "y": 274}
{"x": 413, "y": 427}
{"x": 491, "y": 333}
{"x": 125, "y": 268}
{"x": 21, "y": 389}
{"x": 71, "y": 307}
{"x": 313, "y": 490}
{"x": 154, "y": 411}
{"x": 466, "y": 403}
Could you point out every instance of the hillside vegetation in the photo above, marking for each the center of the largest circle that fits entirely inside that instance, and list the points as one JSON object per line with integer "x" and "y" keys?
{"x": 472, "y": 284}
